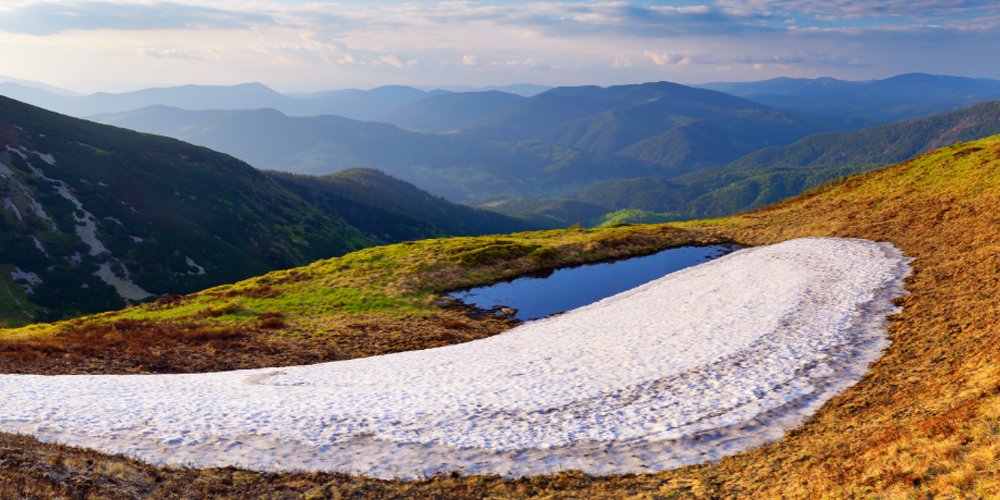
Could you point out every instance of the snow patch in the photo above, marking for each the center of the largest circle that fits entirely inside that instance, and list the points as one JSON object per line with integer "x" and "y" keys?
{"x": 46, "y": 157}
{"x": 123, "y": 285}
{"x": 38, "y": 245}
{"x": 7, "y": 202}
{"x": 18, "y": 151}
{"x": 31, "y": 279}
{"x": 86, "y": 225}
{"x": 34, "y": 206}
{"x": 85, "y": 229}
{"x": 699, "y": 364}
{"x": 198, "y": 270}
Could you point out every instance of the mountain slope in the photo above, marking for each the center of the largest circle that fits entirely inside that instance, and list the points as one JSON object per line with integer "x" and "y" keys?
{"x": 93, "y": 215}
{"x": 458, "y": 167}
{"x": 392, "y": 210}
{"x": 450, "y": 111}
{"x": 868, "y": 102}
{"x": 770, "y": 175}
{"x": 881, "y": 145}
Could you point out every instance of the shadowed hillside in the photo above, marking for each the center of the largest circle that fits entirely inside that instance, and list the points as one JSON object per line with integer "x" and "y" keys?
{"x": 392, "y": 210}
{"x": 95, "y": 215}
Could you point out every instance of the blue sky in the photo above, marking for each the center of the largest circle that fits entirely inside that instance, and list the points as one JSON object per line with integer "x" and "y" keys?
{"x": 309, "y": 45}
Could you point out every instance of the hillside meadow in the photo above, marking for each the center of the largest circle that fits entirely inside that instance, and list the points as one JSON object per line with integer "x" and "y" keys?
{"x": 925, "y": 420}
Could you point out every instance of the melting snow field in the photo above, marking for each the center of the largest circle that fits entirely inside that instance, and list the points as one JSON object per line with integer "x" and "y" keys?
{"x": 701, "y": 363}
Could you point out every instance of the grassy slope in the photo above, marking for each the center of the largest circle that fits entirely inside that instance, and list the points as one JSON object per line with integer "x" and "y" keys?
{"x": 925, "y": 420}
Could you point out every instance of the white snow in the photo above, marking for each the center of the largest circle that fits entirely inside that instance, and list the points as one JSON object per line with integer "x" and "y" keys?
{"x": 704, "y": 362}
{"x": 85, "y": 229}
{"x": 46, "y": 157}
{"x": 8, "y": 174}
{"x": 198, "y": 270}
{"x": 30, "y": 279}
{"x": 38, "y": 245}
{"x": 124, "y": 286}
{"x": 7, "y": 202}
{"x": 86, "y": 225}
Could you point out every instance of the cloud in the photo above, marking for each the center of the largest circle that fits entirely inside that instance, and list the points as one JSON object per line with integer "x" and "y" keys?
{"x": 470, "y": 60}
{"x": 667, "y": 58}
{"x": 47, "y": 18}
{"x": 394, "y": 61}
{"x": 160, "y": 53}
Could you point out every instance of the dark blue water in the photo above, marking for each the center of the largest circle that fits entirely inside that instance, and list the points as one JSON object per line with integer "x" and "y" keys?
{"x": 574, "y": 287}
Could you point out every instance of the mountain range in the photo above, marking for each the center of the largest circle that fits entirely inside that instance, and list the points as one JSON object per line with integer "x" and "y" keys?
{"x": 862, "y": 103}
{"x": 455, "y": 166}
{"x": 550, "y": 144}
{"x": 841, "y": 104}
{"x": 762, "y": 177}
{"x": 676, "y": 127}
{"x": 593, "y": 155}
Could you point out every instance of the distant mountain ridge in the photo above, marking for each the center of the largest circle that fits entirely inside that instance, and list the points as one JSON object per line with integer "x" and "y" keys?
{"x": 500, "y": 146}
{"x": 455, "y": 166}
{"x": 867, "y": 102}
{"x": 376, "y": 104}
{"x": 676, "y": 127}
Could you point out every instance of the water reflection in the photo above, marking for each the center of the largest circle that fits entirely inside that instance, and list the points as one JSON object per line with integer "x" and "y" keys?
{"x": 565, "y": 289}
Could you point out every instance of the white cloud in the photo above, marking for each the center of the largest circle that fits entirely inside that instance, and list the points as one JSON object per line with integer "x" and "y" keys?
{"x": 668, "y": 58}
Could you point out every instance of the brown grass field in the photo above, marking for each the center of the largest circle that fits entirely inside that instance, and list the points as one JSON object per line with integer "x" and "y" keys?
{"x": 925, "y": 422}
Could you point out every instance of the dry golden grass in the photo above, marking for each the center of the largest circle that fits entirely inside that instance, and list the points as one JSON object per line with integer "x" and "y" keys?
{"x": 925, "y": 422}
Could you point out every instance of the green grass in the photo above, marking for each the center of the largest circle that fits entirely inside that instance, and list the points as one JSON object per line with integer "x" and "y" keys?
{"x": 400, "y": 280}
{"x": 634, "y": 216}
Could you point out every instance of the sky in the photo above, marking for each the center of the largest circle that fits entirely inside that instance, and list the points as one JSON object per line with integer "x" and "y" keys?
{"x": 299, "y": 45}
